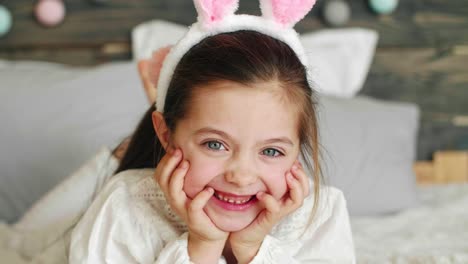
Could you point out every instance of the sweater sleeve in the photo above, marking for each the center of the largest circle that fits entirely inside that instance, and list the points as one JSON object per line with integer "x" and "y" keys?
{"x": 328, "y": 240}
{"x": 70, "y": 198}
{"x": 112, "y": 231}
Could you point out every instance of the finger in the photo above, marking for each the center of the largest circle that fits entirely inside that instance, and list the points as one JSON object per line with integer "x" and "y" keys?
{"x": 195, "y": 208}
{"x": 162, "y": 163}
{"x": 295, "y": 192}
{"x": 271, "y": 205}
{"x": 201, "y": 199}
{"x": 298, "y": 163}
{"x": 176, "y": 185}
{"x": 303, "y": 179}
{"x": 166, "y": 166}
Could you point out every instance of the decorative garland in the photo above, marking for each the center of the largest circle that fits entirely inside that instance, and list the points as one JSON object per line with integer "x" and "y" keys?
{"x": 338, "y": 12}
{"x": 51, "y": 13}
{"x": 5, "y": 20}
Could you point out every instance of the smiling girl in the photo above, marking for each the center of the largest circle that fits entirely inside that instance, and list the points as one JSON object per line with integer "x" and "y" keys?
{"x": 212, "y": 173}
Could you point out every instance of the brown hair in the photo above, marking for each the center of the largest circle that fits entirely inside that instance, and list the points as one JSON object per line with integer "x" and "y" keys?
{"x": 245, "y": 57}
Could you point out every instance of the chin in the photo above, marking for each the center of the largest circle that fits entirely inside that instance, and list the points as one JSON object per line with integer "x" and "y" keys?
{"x": 231, "y": 222}
{"x": 231, "y": 225}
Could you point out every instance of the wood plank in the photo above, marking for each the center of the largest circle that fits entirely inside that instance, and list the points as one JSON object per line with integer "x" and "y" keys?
{"x": 435, "y": 80}
{"x": 79, "y": 57}
{"x": 422, "y": 55}
{"x": 416, "y": 23}
{"x": 72, "y": 56}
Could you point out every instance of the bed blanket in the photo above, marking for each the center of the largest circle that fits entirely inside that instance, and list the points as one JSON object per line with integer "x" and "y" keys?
{"x": 436, "y": 232}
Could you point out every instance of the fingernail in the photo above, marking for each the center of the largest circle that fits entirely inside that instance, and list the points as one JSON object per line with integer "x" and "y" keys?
{"x": 260, "y": 195}
{"x": 294, "y": 168}
{"x": 289, "y": 176}
{"x": 184, "y": 164}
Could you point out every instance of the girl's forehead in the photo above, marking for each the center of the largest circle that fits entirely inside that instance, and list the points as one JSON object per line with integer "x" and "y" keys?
{"x": 247, "y": 93}
{"x": 238, "y": 107}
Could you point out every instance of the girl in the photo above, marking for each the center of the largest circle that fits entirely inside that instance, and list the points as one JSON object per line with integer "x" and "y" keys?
{"x": 233, "y": 116}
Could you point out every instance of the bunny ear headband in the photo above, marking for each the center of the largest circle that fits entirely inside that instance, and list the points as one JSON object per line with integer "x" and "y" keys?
{"x": 217, "y": 16}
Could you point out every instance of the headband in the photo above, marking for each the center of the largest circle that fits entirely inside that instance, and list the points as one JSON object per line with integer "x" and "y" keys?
{"x": 217, "y": 16}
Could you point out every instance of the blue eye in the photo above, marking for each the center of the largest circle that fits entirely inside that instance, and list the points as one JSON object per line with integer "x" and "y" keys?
{"x": 215, "y": 145}
{"x": 271, "y": 152}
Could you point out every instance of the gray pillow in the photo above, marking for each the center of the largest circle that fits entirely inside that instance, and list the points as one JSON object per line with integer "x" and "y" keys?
{"x": 368, "y": 150}
{"x": 54, "y": 118}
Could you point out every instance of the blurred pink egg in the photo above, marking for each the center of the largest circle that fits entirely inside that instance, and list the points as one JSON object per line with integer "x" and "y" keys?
{"x": 50, "y": 12}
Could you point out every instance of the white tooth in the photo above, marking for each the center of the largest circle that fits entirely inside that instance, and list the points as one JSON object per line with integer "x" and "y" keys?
{"x": 230, "y": 200}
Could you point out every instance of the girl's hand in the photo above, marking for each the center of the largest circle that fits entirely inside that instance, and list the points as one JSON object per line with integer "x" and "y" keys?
{"x": 246, "y": 242}
{"x": 206, "y": 241}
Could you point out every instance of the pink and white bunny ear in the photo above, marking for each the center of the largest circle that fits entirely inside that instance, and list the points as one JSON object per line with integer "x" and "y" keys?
{"x": 210, "y": 11}
{"x": 286, "y": 12}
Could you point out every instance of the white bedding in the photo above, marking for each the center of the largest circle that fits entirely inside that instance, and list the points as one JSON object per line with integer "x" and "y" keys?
{"x": 435, "y": 232}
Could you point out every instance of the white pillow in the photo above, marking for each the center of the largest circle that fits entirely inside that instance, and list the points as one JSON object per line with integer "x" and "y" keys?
{"x": 339, "y": 59}
{"x": 152, "y": 35}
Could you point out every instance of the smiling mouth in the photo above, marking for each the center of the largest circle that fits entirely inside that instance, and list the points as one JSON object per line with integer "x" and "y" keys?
{"x": 236, "y": 200}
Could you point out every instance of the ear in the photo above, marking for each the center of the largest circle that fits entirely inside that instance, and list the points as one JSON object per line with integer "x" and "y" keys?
{"x": 210, "y": 11}
{"x": 161, "y": 129}
{"x": 286, "y": 12}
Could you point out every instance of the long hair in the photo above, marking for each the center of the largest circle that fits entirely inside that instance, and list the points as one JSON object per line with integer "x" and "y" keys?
{"x": 245, "y": 57}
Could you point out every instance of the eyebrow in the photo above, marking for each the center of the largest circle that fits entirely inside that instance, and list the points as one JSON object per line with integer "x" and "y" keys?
{"x": 223, "y": 134}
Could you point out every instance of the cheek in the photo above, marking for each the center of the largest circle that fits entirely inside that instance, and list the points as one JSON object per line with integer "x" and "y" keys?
{"x": 275, "y": 180}
{"x": 200, "y": 173}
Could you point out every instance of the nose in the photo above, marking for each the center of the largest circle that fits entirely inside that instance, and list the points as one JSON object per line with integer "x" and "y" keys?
{"x": 241, "y": 171}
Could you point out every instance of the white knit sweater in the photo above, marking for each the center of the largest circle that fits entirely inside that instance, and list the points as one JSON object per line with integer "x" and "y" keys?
{"x": 130, "y": 222}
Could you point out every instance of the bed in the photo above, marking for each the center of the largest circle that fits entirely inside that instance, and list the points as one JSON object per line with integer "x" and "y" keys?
{"x": 436, "y": 231}
{"x": 55, "y": 117}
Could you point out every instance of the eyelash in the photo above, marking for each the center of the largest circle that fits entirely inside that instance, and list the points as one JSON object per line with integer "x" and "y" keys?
{"x": 207, "y": 145}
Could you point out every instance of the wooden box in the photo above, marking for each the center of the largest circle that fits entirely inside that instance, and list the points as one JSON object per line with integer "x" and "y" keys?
{"x": 424, "y": 171}
{"x": 451, "y": 166}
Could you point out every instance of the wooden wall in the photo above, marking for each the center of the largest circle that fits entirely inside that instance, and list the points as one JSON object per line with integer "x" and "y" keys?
{"x": 422, "y": 55}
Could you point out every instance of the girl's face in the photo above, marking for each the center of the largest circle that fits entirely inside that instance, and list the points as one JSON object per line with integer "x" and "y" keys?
{"x": 240, "y": 141}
